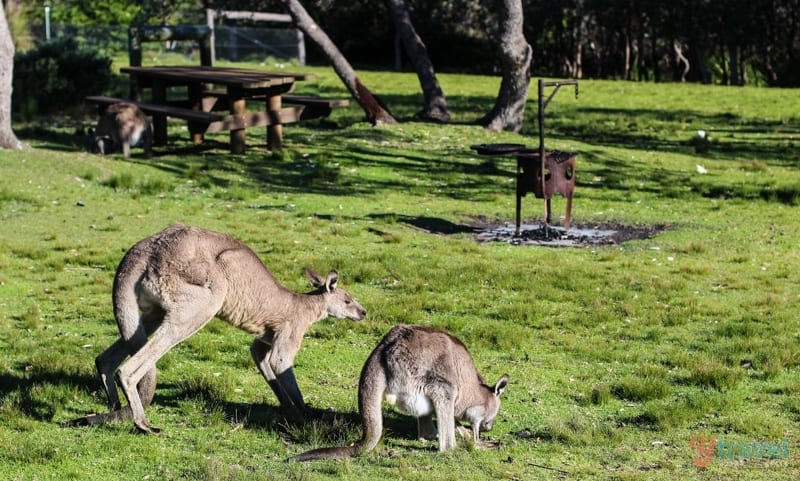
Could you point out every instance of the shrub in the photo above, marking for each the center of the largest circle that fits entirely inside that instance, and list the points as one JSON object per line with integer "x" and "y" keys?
{"x": 57, "y": 75}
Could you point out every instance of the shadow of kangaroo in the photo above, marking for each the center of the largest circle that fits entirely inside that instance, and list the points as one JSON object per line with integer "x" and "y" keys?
{"x": 423, "y": 372}
{"x": 168, "y": 286}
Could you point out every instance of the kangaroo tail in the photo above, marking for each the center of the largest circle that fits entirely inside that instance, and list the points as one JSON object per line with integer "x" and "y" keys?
{"x": 118, "y": 415}
{"x": 329, "y": 453}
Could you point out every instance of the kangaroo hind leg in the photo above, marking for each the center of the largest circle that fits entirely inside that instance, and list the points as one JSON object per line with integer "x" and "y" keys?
{"x": 109, "y": 360}
{"x": 180, "y": 322}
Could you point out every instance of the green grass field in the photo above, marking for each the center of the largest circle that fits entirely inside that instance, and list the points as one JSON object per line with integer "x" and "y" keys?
{"x": 620, "y": 356}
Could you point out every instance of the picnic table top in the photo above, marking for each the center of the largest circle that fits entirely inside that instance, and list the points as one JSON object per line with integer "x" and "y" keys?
{"x": 228, "y": 76}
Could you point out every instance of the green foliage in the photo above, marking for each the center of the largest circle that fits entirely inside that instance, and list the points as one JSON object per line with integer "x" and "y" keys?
{"x": 19, "y": 24}
{"x": 96, "y": 12}
{"x": 55, "y": 76}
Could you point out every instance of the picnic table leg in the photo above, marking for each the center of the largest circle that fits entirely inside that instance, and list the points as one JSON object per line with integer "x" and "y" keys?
{"x": 159, "y": 120}
{"x": 274, "y": 128}
{"x": 238, "y": 142}
{"x": 196, "y": 103}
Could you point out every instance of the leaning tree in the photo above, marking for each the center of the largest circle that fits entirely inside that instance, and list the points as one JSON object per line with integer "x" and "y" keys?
{"x": 435, "y": 103}
{"x": 376, "y": 113}
{"x": 7, "y": 138}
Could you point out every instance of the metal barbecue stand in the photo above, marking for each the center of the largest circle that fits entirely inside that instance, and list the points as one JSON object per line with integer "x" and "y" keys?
{"x": 539, "y": 171}
{"x": 565, "y": 189}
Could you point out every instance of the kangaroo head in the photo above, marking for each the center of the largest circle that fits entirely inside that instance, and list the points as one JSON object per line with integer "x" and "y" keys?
{"x": 483, "y": 415}
{"x": 340, "y": 303}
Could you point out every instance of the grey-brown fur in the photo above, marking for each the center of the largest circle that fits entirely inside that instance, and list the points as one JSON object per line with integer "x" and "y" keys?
{"x": 169, "y": 285}
{"x": 423, "y": 372}
{"x": 122, "y": 126}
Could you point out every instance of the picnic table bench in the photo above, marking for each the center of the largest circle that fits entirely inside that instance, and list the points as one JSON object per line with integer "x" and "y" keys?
{"x": 315, "y": 107}
{"x": 212, "y": 90}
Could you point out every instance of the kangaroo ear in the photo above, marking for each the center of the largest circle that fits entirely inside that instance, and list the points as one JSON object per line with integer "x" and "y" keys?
{"x": 501, "y": 385}
{"x": 330, "y": 282}
{"x": 314, "y": 278}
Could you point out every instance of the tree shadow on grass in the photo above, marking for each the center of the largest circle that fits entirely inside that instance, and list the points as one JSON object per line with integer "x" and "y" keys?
{"x": 339, "y": 147}
{"x": 663, "y": 130}
{"x": 432, "y": 225}
{"x": 27, "y": 390}
{"x": 324, "y": 426}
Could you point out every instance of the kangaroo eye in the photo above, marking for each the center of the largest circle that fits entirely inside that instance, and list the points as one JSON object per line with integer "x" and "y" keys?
{"x": 348, "y": 301}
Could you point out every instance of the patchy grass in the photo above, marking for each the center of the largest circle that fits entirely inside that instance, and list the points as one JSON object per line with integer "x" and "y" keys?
{"x": 618, "y": 355}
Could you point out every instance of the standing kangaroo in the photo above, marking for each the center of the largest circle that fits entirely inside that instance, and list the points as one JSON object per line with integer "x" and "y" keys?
{"x": 123, "y": 124}
{"x": 169, "y": 285}
{"x": 423, "y": 372}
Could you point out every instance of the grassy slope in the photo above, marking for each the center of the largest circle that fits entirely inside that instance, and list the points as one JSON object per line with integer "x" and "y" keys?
{"x": 618, "y": 355}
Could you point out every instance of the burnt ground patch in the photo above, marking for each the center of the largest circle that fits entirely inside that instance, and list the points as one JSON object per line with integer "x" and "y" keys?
{"x": 578, "y": 235}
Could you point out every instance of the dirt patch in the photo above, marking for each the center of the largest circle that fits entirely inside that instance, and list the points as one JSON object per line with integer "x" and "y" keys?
{"x": 575, "y": 236}
{"x": 579, "y": 235}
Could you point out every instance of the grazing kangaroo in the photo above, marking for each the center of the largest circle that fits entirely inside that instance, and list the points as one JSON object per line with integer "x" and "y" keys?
{"x": 423, "y": 372}
{"x": 169, "y": 285}
{"x": 122, "y": 124}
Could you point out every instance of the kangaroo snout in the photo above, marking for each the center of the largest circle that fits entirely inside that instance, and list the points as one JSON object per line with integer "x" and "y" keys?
{"x": 358, "y": 312}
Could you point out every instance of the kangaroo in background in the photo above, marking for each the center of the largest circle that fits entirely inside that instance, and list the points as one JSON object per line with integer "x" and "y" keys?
{"x": 123, "y": 124}
{"x": 423, "y": 372}
{"x": 169, "y": 285}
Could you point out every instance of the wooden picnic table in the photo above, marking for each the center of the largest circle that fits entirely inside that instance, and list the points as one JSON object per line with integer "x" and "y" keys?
{"x": 240, "y": 85}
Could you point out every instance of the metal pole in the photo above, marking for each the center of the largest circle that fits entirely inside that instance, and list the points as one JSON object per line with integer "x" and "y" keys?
{"x": 210, "y": 17}
{"x": 541, "y": 147}
{"x": 301, "y": 47}
{"x": 47, "y": 22}
{"x": 542, "y": 105}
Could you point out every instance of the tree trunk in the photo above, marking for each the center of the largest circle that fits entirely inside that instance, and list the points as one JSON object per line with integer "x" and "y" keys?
{"x": 515, "y": 55}
{"x": 698, "y": 56}
{"x": 626, "y": 69}
{"x": 680, "y": 58}
{"x": 723, "y": 65}
{"x": 578, "y": 37}
{"x": 733, "y": 59}
{"x": 641, "y": 65}
{"x": 654, "y": 53}
{"x": 7, "y": 138}
{"x": 376, "y": 113}
{"x": 435, "y": 103}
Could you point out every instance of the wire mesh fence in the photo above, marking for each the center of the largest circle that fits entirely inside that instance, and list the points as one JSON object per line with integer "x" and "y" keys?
{"x": 230, "y": 43}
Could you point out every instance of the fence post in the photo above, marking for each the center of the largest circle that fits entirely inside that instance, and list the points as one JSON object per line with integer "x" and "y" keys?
{"x": 210, "y": 20}
{"x": 134, "y": 60}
